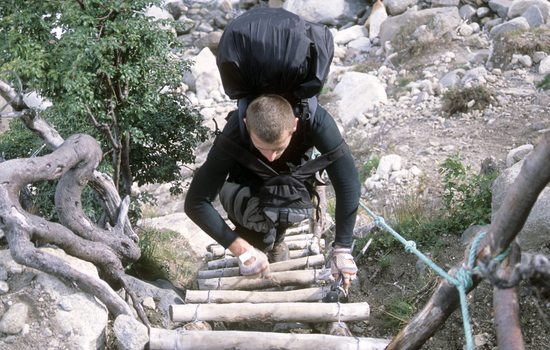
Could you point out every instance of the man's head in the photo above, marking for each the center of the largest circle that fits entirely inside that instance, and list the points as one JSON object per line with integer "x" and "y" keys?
{"x": 270, "y": 122}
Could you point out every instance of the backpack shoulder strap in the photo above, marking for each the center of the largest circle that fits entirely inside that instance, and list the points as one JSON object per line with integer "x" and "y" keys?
{"x": 314, "y": 165}
{"x": 244, "y": 157}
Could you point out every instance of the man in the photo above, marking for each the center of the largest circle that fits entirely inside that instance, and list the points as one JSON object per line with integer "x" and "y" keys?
{"x": 277, "y": 137}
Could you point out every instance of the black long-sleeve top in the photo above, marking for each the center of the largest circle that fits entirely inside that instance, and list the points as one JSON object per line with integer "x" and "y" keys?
{"x": 322, "y": 133}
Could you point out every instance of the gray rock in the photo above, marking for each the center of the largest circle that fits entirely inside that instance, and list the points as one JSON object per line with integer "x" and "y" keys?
{"x": 467, "y": 11}
{"x": 130, "y": 333}
{"x": 534, "y": 16}
{"x": 517, "y": 154}
{"x": 544, "y": 66}
{"x": 500, "y": 7}
{"x": 397, "y": 7}
{"x": 535, "y": 231}
{"x": 445, "y": 3}
{"x": 86, "y": 322}
{"x": 518, "y": 23}
{"x": 4, "y": 287}
{"x": 14, "y": 319}
{"x": 443, "y": 21}
{"x": 518, "y": 7}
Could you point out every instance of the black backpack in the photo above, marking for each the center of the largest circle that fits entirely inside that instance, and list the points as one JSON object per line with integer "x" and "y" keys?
{"x": 271, "y": 50}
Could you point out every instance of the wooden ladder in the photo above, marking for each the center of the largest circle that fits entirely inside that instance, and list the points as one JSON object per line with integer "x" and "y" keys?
{"x": 292, "y": 292}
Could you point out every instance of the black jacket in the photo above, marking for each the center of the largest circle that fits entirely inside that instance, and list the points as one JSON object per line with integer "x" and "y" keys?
{"x": 322, "y": 133}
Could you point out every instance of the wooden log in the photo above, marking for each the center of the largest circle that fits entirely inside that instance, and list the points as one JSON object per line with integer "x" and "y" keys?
{"x": 303, "y": 244}
{"x": 239, "y": 296}
{"x": 303, "y": 228}
{"x": 292, "y": 264}
{"x": 506, "y": 224}
{"x": 162, "y": 339}
{"x": 218, "y": 251}
{"x": 273, "y": 312}
{"x": 300, "y": 253}
{"x": 299, "y": 237}
{"x": 506, "y": 306}
{"x": 275, "y": 279}
{"x": 297, "y": 242}
{"x": 232, "y": 261}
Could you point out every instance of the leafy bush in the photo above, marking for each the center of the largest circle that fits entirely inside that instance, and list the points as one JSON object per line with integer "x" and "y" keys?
{"x": 467, "y": 197}
{"x": 369, "y": 167}
{"x": 466, "y": 201}
{"x": 110, "y": 71}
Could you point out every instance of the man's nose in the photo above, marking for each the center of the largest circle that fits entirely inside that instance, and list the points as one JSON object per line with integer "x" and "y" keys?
{"x": 271, "y": 155}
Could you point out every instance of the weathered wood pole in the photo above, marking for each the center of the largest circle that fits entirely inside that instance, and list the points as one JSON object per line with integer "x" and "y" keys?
{"x": 292, "y": 264}
{"x": 162, "y": 339}
{"x": 241, "y": 296}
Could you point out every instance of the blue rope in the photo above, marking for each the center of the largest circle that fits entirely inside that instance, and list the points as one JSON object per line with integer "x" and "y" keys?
{"x": 463, "y": 278}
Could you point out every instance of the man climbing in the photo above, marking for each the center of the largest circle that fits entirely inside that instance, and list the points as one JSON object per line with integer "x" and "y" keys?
{"x": 274, "y": 64}
{"x": 277, "y": 137}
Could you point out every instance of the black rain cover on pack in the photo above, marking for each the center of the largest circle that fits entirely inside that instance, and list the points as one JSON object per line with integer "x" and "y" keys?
{"x": 271, "y": 50}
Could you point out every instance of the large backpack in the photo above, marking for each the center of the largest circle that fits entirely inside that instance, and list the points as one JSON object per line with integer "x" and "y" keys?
{"x": 271, "y": 50}
{"x": 267, "y": 50}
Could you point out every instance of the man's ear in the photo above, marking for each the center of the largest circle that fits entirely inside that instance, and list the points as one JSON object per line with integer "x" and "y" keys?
{"x": 295, "y": 124}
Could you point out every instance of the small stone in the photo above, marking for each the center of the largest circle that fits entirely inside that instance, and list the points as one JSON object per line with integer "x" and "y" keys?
{"x": 14, "y": 319}
{"x": 4, "y": 287}
{"x": 65, "y": 305}
{"x": 149, "y": 303}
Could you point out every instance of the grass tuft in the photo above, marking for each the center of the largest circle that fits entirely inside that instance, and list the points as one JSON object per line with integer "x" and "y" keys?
{"x": 165, "y": 254}
{"x": 458, "y": 100}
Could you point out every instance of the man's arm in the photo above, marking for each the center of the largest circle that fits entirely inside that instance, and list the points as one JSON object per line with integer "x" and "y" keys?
{"x": 343, "y": 176}
{"x": 205, "y": 187}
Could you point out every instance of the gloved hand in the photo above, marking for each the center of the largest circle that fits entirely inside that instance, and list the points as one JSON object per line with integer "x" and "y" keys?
{"x": 253, "y": 262}
{"x": 342, "y": 262}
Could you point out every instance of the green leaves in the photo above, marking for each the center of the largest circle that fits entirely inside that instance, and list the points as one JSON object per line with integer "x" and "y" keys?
{"x": 103, "y": 65}
{"x": 467, "y": 197}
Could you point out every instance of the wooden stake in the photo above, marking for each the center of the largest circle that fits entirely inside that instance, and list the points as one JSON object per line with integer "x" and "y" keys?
{"x": 506, "y": 306}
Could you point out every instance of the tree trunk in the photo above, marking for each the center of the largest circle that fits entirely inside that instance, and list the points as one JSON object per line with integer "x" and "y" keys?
{"x": 21, "y": 228}
{"x": 73, "y": 162}
{"x": 506, "y": 306}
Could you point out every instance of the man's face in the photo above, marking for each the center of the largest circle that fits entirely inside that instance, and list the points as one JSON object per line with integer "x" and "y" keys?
{"x": 272, "y": 151}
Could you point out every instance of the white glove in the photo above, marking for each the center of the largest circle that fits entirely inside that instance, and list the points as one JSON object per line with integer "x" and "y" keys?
{"x": 253, "y": 262}
{"x": 342, "y": 263}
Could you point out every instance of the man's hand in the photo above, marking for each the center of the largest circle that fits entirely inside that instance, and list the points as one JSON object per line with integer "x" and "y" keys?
{"x": 251, "y": 260}
{"x": 342, "y": 262}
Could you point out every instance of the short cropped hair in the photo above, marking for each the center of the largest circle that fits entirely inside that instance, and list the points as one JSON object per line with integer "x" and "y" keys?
{"x": 268, "y": 116}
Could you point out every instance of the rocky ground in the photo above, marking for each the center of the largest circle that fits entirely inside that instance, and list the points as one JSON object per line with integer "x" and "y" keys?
{"x": 425, "y": 137}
